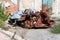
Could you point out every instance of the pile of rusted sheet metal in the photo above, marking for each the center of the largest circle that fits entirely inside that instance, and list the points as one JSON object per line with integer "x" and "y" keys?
{"x": 33, "y": 19}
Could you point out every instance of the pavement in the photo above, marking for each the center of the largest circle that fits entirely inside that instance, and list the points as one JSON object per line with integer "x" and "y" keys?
{"x": 7, "y": 35}
{"x": 28, "y": 34}
{"x": 4, "y": 37}
{"x": 36, "y": 34}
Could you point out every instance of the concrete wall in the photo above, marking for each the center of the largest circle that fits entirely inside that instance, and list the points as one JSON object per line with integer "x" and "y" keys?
{"x": 56, "y": 8}
{"x": 26, "y": 4}
{"x": 37, "y": 4}
{"x": 1, "y": 1}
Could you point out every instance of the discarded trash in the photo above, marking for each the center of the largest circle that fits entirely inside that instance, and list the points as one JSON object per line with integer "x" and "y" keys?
{"x": 32, "y": 19}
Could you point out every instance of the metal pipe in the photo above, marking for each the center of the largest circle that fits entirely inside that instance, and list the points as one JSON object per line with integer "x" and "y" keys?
{"x": 18, "y": 4}
{"x": 42, "y": 4}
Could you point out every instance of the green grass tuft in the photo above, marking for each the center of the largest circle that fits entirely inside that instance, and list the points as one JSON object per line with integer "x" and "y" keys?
{"x": 2, "y": 24}
{"x": 3, "y": 17}
{"x": 55, "y": 29}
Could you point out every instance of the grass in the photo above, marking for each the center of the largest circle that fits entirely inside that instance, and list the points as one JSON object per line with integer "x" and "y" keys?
{"x": 1, "y": 24}
{"x": 55, "y": 29}
{"x": 3, "y": 17}
{"x": 2, "y": 13}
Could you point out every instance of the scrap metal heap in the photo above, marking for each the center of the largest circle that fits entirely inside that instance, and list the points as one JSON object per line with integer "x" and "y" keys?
{"x": 35, "y": 19}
